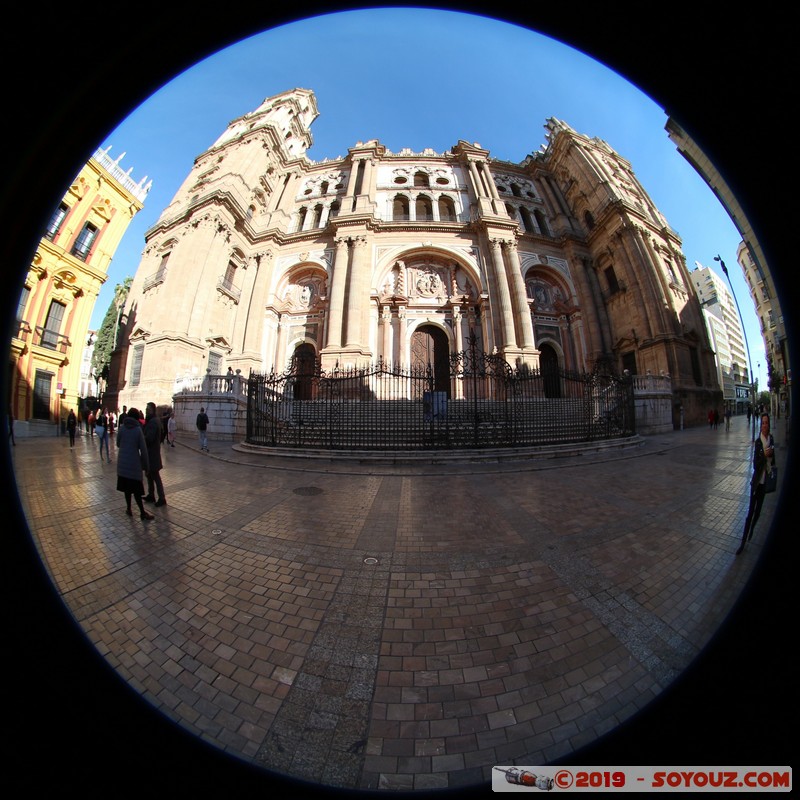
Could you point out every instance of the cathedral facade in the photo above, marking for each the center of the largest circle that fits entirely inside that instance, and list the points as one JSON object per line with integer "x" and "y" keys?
{"x": 265, "y": 258}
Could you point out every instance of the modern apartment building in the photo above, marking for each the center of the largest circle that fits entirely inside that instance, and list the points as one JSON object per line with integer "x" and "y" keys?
{"x": 727, "y": 337}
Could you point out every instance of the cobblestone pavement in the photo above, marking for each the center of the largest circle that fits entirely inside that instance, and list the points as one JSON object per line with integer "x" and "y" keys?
{"x": 368, "y": 626}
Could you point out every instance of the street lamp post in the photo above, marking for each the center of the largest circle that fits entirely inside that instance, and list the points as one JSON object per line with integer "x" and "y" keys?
{"x": 746, "y": 344}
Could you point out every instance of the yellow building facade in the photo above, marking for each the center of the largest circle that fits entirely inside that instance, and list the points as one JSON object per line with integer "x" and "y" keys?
{"x": 57, "y": 300}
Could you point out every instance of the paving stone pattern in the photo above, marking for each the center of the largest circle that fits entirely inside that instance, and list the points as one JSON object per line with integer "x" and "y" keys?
{"x": 377, "y": 626}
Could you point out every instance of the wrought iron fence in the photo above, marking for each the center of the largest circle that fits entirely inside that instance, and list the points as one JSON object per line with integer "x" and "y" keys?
{"x": 483, "y": 402}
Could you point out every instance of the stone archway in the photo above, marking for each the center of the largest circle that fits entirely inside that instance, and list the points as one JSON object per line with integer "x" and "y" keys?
{"x": 549, "y": 368}
{"x": 429, "y": 345}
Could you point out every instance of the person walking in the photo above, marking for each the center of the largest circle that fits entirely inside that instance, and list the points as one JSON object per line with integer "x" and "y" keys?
{"x": 152, "y": 437}
{"x": 131, "y": 460}
{"x": 165, "y": 415}
{"x": 202, "y": 426}
{"x": 72, "y": 426}
{"x": 727, "y": 418}
{"x": 101, "y": 429}
{"x": 172, "y": 429}
{"x": 90, "y": 421}
{"x": 763, "y": 463}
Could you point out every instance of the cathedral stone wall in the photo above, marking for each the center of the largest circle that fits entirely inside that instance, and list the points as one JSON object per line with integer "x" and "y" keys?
{"x": 264, "y": 256}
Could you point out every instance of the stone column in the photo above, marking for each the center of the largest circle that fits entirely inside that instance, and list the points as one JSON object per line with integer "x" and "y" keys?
{"x": 271, "y": 324}
{"x": 458, "y": 334}
{"x": 357, "y": 296}
{"x": 519, "y": 298}
{"x": 497, "y": 203}
{"x": 386, "y": 324}
{"x": 326, "y": 212}
{"x": 253, "y": 302}
{"x": 351, "y": 178}
{"x": 369, "y": 169}
{"x": 505, "y": 312}
{"x": 639, "y": 278}
{"x": 401, "y": 334}
{"x": 338, "y": 285}
{"x": 285, "y": 192}
{"x": 281, "y": 356}
{"x": 476, "y": 179}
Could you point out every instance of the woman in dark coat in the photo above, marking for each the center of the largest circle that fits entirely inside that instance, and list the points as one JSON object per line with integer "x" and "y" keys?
{"x": 131, "y": 460}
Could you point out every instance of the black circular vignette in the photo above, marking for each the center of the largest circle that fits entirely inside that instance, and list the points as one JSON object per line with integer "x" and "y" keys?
{"x": 73, "y": 720}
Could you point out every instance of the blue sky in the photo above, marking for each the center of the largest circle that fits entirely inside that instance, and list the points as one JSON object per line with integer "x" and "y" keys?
{"x": 420, "y": 78}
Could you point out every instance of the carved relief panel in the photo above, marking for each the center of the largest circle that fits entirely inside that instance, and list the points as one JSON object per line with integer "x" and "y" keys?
{"x": 427, "y": 283}
{"x": 304, "y": 294}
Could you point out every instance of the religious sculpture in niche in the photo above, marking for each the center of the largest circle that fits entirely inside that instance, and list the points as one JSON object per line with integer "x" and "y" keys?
{"x": 304, "y": 294}
{"x": 548, "y": 296}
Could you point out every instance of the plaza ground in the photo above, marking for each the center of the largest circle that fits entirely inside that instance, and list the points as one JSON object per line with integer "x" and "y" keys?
{"x": 363, "y": 625}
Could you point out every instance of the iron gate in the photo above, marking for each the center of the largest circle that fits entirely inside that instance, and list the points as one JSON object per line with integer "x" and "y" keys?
{"x": 487, "y": 403}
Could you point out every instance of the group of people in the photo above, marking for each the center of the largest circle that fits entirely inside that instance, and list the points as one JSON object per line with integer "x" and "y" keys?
{"x": 139, "y": 438}
{"x": 714, "y": 418}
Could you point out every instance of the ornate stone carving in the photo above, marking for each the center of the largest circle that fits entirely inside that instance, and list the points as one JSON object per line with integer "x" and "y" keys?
{"x": 304, "y": 294}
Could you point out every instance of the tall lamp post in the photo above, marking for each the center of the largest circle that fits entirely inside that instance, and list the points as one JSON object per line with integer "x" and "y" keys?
{"x": 746, "y": 344}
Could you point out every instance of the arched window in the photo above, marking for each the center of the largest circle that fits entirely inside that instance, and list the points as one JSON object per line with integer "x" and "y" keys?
{"x": 422, "y": 179}
{"x": 334, "y": 208}
{"x": 588, "y": 219}
{"x": 400, "y": 207}
{"x": 424, "y": 207}
{"x": 527, "y": 220}
{"x": 301, "y": 218}
{"x": 323, "y": 187}
{"x": 541, "y": 222}
{"x": 515, "y": 190}
{"x": 447, "y": 209}
{"x": 317, "y": 216}
{"x": 511, "y": 211}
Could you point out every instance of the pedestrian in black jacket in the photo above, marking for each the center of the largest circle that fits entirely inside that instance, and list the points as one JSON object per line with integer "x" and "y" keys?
{"x": 152, "y": 435}
{"x": 763, "y": 463}
{"x": 202, "y": 423}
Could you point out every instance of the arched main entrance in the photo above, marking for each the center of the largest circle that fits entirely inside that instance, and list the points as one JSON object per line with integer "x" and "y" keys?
{"x": 429, "y": 345}
{"x": 548, "y": 365}
{"x": 304, "y": 363}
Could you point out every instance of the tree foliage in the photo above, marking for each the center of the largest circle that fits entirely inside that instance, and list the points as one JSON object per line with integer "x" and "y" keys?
{"x": 107, "y": 335}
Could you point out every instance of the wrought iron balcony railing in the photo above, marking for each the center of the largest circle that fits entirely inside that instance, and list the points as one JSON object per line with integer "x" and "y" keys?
{"x": 52, "y": 340}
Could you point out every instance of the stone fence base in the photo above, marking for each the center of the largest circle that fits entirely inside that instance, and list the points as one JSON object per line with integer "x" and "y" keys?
{"x": 227, "y": 415}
